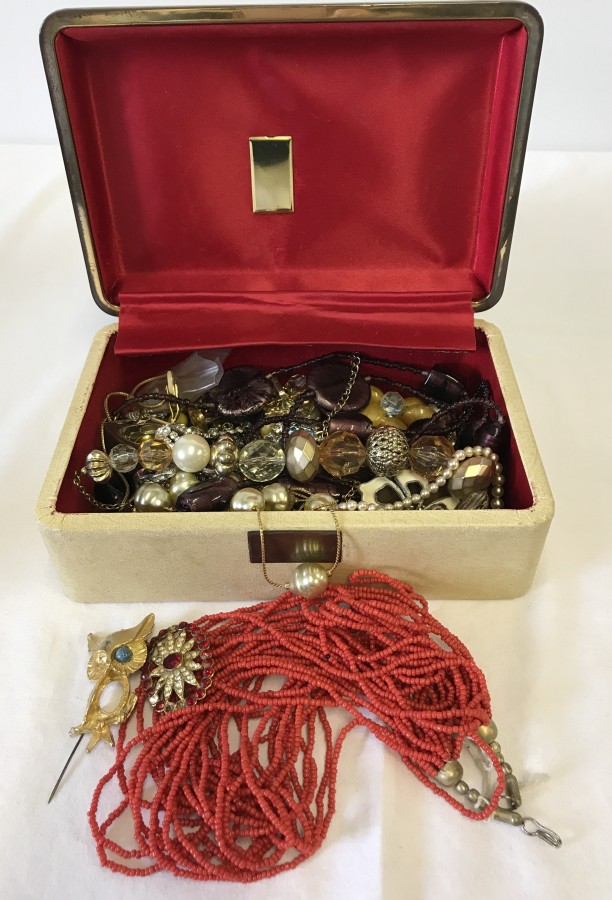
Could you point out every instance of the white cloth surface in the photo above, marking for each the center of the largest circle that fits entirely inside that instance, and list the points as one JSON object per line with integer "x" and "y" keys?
{"x": 546, "y": 656}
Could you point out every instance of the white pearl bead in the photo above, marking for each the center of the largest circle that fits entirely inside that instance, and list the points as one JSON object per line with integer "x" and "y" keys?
{"x": 486, "y": 451}
{"x": 309, "y": 580}
{"x": 497, "y": 503}
{"x": 440, "y": 481}
{"x": 362, "y": 505}
{"x": 460, "y": 455}
{"x": 152, "y": 497}
{"x": 494, "y": 457}
{"x": 477, "y": 450}
{"x": 372, "y": 506}
{"x": 342, "y": 505}
{"x": 179, "y": 483}
{"x": 407, "y": 503}
{"x": 453, "y": 465}
{"x": 351, "y": 505}
{"x": 247, "y": 499}
{"x": 433, "y": 488}
{"x": 446, "y": 474}
{"x": 320, "y": 501}
{"x": 277, "y": 497}
{"x": 468, "y": 451}
{"x": 398, "y": 504}
{"x": 191, "y": 453}
{"x": 425, "y": 493}
{"x": 416, "y": 498}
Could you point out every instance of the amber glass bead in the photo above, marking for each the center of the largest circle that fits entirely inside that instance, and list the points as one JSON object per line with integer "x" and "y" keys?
{"x": 155, "y": 455}
{"x": 342, "y": 454}
{"x": 430, "y": 454}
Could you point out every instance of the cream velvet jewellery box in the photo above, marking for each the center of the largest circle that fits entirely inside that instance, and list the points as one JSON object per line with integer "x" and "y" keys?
{"x": 407, "y": 126}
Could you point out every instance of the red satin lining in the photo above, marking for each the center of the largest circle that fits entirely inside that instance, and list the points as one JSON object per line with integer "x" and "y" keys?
{"x": 161, "y": 323}
{"x": 402, "y": 138}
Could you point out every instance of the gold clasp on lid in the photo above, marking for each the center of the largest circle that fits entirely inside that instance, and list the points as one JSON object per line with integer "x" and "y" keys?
{"x": 272, "y": 174}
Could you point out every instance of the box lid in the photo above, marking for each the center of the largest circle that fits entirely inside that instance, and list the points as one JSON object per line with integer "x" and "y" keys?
{"x": 408, "y": 126}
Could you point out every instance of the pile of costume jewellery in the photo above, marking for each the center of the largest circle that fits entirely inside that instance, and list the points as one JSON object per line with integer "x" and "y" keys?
{"x": 323, "y": 434}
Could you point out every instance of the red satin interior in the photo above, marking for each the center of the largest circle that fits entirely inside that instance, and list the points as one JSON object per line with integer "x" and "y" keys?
{"x": 402, "y": 136}
{"x": 120, "y": 372}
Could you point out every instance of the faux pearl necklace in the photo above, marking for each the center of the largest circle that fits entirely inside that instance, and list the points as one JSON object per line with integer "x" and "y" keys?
{"x": 415, "y": 501}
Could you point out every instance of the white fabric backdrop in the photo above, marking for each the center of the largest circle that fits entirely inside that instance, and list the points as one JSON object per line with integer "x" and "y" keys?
{"x": 546, "y": 656}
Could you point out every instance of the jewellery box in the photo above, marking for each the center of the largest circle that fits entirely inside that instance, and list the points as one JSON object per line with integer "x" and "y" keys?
{"x": 405, "y": 128}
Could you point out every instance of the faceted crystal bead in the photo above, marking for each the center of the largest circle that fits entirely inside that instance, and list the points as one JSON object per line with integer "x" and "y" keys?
{"x": 123, "y": 458}
{"x": 342, "y": 454}
{"x": 155, "y": 455}
{"x": 473, "y": 475}
{"x": 302, "y": 456}
{"x": 392, "y": 403}
{"x": 376, "y": 414}
{"x": 261, "y": 461}
{"x": 430, "y": 454}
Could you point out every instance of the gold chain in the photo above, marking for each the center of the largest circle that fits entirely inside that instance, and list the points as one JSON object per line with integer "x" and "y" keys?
{"x": 355, "y": 364}
{"x": 110, "y": 507}
{"x": 262, "y": 542}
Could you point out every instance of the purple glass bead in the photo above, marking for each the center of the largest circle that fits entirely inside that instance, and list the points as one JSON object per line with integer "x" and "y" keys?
{"x": 329, "y": 381}
{"x": 442, "y": 386}
{"x": 490, "y": 435}
{"x": 354, "y": 422}
{"x": 209, "y": 496}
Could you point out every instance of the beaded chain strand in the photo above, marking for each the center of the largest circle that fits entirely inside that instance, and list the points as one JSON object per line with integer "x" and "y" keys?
{"x": 208, "y": 806}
